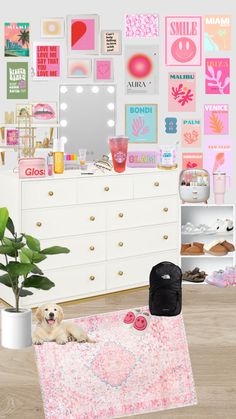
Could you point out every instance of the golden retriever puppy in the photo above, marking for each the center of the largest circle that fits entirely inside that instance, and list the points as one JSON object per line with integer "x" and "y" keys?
{"x": 50, "y": 328}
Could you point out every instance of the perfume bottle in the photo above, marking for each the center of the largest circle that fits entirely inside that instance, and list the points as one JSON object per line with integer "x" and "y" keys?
{"x": 58, "y": 156}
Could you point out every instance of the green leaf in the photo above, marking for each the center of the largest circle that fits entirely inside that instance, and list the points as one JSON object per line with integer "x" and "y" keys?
{"x": 24, "y": 293}
{"x": 14, "y": 244}
{"x": 3, "y": 267}
{"x": 24, "y": 258}
{"x": 10, "y": 226}
{"x": 37, "y": 270}
{"x": 27, "y": 252}
{"x": 5, "y": 280}
{"x": 32, "y": 243}
{"x": 18, "y": 269}
{"x": 7, "y": 250}
{"x": 38, "y": 257}
{"x": 7, "y": 241}
{"x": 40, "y": 282}
{"x": 4, "y": 215}
{"x": 55, "y": 250}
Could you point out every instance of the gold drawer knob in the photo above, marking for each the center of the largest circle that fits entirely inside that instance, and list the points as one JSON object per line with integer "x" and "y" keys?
{"x": 121, "y": 215}
{"x": 120, "y": 273}
{"x": 120, "y": 244}
{"x": 156, "y": 183}
{"x": 92, "y": 277}
{"x": 165, "y": 209}
{"x": 92, "y": 248}
{"x": 106, "y": 189}
{"x": 50, "y": 193}
{"x": 92, "y": 218}
{"x": 39, "y": 224}
{"x": 165, "y": 237}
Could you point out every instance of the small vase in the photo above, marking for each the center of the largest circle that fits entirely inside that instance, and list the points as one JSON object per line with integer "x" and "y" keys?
{"x": 16, "y": 328}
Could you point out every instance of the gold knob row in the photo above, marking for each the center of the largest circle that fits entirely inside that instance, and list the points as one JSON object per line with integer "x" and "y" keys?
{"x": 39, "y": 224}
{"x": 165, "y": 237}
{"x": 50, "y": 193}
{"x": 106, "y": 189}
{"x": 92, "y": 277}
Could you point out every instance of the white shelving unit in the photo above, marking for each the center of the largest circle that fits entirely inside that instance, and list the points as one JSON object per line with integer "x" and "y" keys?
{"x": 206, "y": 214}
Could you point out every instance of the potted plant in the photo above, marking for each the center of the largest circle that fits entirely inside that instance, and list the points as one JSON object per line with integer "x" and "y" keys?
{"x": 20, "y": 256}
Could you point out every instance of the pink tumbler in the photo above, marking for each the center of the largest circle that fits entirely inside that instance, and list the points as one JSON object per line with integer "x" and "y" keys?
{"x": 118, "y": 147}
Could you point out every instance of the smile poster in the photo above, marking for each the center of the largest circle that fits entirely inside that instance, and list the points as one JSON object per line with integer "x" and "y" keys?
{"x": 17, "y": 39}
{"x": 17, "y": 80}
{"x": 141, "y": 69}
{"x": 192, "y": 161}
{"x": 216, "y": 119}
{"x": 46, "y": 60}
{"x": 218, "y": 155}
{"x": 183, "y": 40}
{"x": 191, "y": 133}
{"x": 217, "y": 76}
{"x": 181, "y": 92}
{"x": 217, "y": 33}
{"x": 141, "y": 123}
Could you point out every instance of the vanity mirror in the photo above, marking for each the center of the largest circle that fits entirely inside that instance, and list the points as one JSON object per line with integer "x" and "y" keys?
{"x": 87, "y": 118}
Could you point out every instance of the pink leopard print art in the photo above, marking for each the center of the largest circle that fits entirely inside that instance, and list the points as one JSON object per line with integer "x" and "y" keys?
{"x": 122, "y": 374}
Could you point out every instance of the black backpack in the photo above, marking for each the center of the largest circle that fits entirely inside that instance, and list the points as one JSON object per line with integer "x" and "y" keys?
{"x": 165, "y": 292}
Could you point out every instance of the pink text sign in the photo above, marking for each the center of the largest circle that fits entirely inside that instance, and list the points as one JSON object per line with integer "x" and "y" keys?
{"x": 217, "y": 76}
{"x": 216, "y": 119}
{"x": 181, "y": 92}
{"x": 183, "y": 40}
{"x": 142, "y": 159}
{"x": 47, "y": 61}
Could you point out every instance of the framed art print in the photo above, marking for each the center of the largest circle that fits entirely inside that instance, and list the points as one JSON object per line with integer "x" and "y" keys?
{"x": 217, "y": 76}
{"x": 218, "y": 156}
{"x": 142, "y": 25}
{"x": 192, "y": 161}
{"x": 217, "y": 33}
{"x": 53, "y": 28}
{"x": 12, "y": 137}
{"x": 141, "y": 69}
{"x": 216, "y": 119}
{"x": 46, "y": 60}
{"x": 23, "y": 110}
{"x": 103, "y": 69}
{"x": 79, "y": 67}
{"x": 17, "y": 80}
{"x": 111, "y": 42}
{"x": 191, "y": 133}
{"x": 83, "y": 34}
{"x": 141, "y": 123}
{"x": 17, "y": 39}
{"x": 183, "y": 40}
{"x": 181, "y": 92}
{"x": 45, "y": 112}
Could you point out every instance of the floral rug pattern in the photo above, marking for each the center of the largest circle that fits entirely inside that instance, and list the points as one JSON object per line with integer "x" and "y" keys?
{"x": 123, "y": 373}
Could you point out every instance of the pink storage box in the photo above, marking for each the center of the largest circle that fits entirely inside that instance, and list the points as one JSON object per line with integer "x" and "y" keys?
{"x": 32, "y": 167}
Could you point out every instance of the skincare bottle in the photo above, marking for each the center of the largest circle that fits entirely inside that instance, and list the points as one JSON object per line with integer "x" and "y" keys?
{"x": 58, "y": 156}
{"x": 50, "y": 164}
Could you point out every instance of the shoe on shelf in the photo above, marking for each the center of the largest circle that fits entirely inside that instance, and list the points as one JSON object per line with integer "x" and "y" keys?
{"x": 218, "y": 279}
{"x": 228, "y": 246}
{"x": 195, "y": 275}
{"x": 230, "y": 275}
{"x": 215, "y": 248}
{"x": 193, "y": 249}
{"x": 225, "y": 226}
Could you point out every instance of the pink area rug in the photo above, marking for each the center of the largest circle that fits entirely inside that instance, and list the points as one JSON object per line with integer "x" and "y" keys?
{"x": 123, "y": 374}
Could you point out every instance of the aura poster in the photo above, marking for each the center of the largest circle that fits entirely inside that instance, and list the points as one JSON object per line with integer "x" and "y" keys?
{"x": 83, "y": 34}
{"x": 17, "y": 39}
{"x": 17, "y": 80}
{"x": 141, "y": 69}
{"x": 183, "y": 40}
{"x": 218, "y": 155}
{"x": 216, "y": 119}
{"x": 191, "y": 133}
{"x": 141, "y": 25}
{"x": 46, "y": 60}
{"x": 217, "y": 33}
{"x": 192, "y": 161}
{"x": 181, "y": 92}
{"x": 217, "y": 76}
{"x": 141, "y": 123}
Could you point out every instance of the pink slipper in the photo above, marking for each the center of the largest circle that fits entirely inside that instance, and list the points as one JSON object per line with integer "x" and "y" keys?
{"x": 130, "y": 317}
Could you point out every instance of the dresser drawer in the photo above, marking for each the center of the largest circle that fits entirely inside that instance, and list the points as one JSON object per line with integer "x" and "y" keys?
{"x": 124, "y": 273}
{"x": 141, "y": 212}
{"x": 71, "y": 283}
{"x": 151, "y": 184}
{"x": 125, "y": 243}
{"x": 65, "y": 221}
{"x": 89, "y": 248}
{"x": 48, "y": 193}
{"x": 103, "y": 189}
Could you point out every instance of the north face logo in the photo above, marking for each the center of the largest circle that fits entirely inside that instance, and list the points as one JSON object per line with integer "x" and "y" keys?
{"x": 166, "y": 276}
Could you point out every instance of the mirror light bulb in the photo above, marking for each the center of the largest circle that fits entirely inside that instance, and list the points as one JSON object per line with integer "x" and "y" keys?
{"x": 111, "y": 106}
{"x": 95, "y": 89}
{"x": 79, "y": 89}
{"x": 63, "y": 89}
{"x": 63, "y": 106}
{"x": 110, "y": 89}
{"x": 111, "y": 123}
{"x": 63, "y": 123}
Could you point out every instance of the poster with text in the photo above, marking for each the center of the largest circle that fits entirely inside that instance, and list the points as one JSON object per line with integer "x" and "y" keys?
{"x": 183, "y": 40}
{"x": 216, "y": 119}
{"x": 217, "y": 33}
{"x": 46, "y": 60}
{"x": 191, "y": 133}
{"x": 17, "y": 80}
{"x": 218, "y": 155}
{"x": 141, "y": 123}
{"x": 217, "y": 76}
{"x": 192, "y": 161}
{"x": 141, "y": 69}
{"x": 17, "y": 39}
{"x": 181, "y": 92}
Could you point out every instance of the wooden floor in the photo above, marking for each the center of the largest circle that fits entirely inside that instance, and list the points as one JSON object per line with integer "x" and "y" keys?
{"x": 210, "y": 321}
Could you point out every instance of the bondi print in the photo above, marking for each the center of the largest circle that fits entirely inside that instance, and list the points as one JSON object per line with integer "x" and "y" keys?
{"x": 181, "y": 92}
{"x": 217, "y": 77}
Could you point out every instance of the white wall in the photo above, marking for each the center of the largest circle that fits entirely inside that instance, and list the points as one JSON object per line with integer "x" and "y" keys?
{"x": 112, "y": 17}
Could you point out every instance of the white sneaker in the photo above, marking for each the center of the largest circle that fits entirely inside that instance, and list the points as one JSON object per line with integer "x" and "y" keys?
{"x": 227, "y": 225}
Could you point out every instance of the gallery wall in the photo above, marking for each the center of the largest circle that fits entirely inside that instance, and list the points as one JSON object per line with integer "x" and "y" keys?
{"x": 112, "y": 17}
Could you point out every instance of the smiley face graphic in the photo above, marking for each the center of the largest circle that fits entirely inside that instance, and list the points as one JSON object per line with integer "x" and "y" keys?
{"x": 183, "y": 50}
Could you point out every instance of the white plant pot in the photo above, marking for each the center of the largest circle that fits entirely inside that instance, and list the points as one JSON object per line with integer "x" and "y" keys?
{"x": 16, "y": 328}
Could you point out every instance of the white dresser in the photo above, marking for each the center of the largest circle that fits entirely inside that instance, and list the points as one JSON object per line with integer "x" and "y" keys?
{"x": 117, "y": 226}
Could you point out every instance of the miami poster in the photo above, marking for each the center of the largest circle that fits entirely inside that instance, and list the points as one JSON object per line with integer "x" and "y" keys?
{"x": 217, "y": 33}
{"x": 17, "y": 39}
